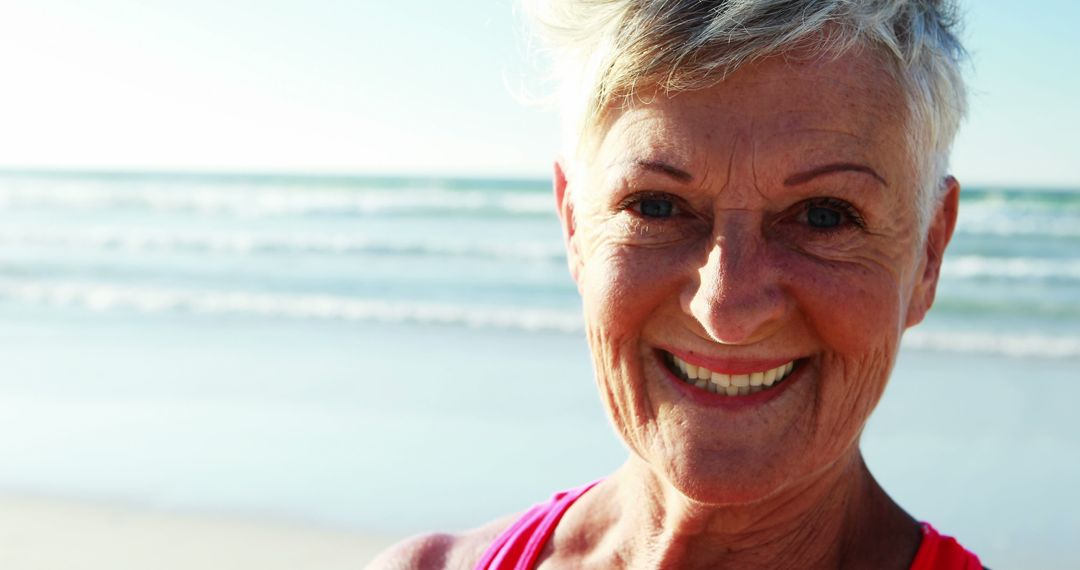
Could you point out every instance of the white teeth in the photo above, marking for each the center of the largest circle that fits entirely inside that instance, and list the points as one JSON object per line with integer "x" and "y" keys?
{"x": 732, "y": 384}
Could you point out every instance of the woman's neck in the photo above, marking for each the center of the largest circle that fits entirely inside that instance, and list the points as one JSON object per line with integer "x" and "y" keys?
{"x": 841, "y": 519}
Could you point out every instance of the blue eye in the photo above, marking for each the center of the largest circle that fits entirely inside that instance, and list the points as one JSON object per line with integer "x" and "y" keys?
{"x": 826, "y": 214}
{"x": 655, "y": 207}
{"x": 652, "y": 205}
{"x": 824, "y": 218}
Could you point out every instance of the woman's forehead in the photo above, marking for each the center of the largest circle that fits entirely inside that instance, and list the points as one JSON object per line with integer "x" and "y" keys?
{"x": 821, "y": 110}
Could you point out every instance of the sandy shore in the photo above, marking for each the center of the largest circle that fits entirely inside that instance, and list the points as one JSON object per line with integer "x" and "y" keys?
{"x": 46, "y": 535}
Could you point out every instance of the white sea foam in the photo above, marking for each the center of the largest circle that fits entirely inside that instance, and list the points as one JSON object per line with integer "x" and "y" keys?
{"x": 142, "y": 240}
{"x": 106, "y": 297}
{"x": 271, "y": 201}
{"x": 1017, "y": 345}
{"x": 1053, "y": 228}
{"x": 974, "y": 266}
{"x": 1003, "y": 218}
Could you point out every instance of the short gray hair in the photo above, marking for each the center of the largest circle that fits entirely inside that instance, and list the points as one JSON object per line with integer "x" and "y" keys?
{"x": 603, "y": 50}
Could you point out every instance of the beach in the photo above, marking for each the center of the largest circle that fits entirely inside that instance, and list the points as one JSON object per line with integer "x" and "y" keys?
{"x": 49, "y": 534}
{"x": 428, "y": 456}
{"x": 236, "y": 372}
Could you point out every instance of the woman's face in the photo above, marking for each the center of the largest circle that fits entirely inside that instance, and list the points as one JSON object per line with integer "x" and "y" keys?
{"x": 764, "y": 230}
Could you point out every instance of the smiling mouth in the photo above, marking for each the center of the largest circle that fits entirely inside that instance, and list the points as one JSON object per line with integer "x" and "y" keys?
{"x": 728, "y": 384}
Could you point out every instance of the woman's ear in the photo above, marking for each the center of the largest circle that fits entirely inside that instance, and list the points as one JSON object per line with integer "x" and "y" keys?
{"x": 938, "y": 235}
{"x": 564, "y": 205}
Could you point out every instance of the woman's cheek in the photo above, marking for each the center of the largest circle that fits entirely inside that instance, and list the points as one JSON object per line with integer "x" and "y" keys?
{"x": 850, "y": 300}
{"x": 609, "y": 324}
{"x": 623, "y": 282}
{"x": 623, "y": 286}
{"x": 855, "y": 312}
{"x": 851, "y": 388}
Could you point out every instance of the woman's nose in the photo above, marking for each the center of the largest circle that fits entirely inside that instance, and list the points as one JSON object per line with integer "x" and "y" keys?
{"x": 737, "y": 296}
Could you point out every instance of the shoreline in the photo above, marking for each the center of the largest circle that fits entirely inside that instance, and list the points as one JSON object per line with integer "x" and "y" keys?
{"x": 44, "y": 534}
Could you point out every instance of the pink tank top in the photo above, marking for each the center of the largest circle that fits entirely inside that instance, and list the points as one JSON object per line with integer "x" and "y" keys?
{"x": 518, "y": 547}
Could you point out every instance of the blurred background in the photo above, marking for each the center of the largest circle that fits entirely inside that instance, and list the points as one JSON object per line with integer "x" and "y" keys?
{"x": 296, "y": 263}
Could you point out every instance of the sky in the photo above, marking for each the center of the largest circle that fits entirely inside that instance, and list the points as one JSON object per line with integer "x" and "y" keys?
{"x": 419, "y": 87}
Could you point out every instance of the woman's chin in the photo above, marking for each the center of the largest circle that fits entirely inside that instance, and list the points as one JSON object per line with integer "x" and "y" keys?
{"x": 730, "y": 478}
{"x": 727, "y": 488}
{"x": 743, "y": 475}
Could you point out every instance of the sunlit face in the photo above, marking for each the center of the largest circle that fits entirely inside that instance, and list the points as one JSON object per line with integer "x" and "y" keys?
{"x": 765, "y": 221}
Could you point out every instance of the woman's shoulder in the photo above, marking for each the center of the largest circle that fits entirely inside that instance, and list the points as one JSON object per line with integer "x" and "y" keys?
{"x": 942, "y": 552}
{"x": 442, "y": 550}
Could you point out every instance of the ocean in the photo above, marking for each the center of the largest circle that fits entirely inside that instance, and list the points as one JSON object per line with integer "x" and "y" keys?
{"x": 394, "y": 354}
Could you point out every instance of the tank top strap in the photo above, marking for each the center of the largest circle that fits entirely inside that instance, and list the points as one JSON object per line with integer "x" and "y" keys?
{"x": 940, "y": 552}
{"x": 518, "y": 547}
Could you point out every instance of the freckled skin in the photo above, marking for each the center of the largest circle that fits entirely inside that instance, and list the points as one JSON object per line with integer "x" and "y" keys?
{"x": 739, "y": 273}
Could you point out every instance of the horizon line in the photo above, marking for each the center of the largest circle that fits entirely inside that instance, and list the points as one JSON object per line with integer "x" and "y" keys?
{"x": 342, "y": 175}
{"x": 239, "y": 173}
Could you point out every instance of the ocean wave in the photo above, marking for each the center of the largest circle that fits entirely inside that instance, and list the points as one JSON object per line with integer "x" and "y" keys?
{"x": 108, "y": 297}
{"x": 105, "y": 297}
{"x": 276, "y": 201}
{"x": 1034, "y": 215}
{"x": 1062, "y": 198}
{"x": 243, "y": 243}
{"x": 970, "y": 342}
{"x": 1033, "y": 227}
{"x": 974, "y": 266}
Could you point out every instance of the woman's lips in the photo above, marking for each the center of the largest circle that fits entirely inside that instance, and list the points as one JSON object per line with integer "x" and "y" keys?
{"x": 728, "y": 365}
{"x": 729, "y": 377}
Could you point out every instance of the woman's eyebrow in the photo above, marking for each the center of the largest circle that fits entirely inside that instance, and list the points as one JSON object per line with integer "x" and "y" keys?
{"x": 809, "y": 175}
{"x": 664, "y": 168}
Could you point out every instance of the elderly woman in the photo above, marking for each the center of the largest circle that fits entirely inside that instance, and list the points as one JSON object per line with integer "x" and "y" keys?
{"x": 755, "y": 207}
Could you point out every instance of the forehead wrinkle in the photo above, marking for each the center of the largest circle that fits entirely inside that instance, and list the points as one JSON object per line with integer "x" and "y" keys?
{"x": 831, "y": 131}
{"x": 753, "y": 158}
{"x": 824, "y": 125}
{"x": 649, "y": 139}
{"x": 706, "y": 175}
{"x": 730, "y": 163}
{"x": 813, "y": 147}
{"x": 742, "y": 172}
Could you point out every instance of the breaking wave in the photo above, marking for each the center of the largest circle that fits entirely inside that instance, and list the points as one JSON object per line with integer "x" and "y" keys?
{"x": 974, "y": 266}
{"x": 275, "y": 201}
{"x": 107, "y": 298}
{"x": 1018, "y": 345}
{"x": 243, "y": 243}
